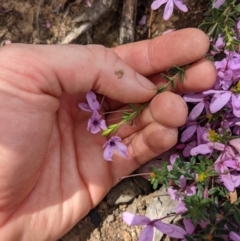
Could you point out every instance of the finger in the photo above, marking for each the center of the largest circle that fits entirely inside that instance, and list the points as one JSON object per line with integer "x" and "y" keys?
{"x": 72, "y": 69}
{"x": 143, "y": 146}
{"x": 166, "y": 108}
{"x": 198, "y": 77}
{"x": 156, "y": 55}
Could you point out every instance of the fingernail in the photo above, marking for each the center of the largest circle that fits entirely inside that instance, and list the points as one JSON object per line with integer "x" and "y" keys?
{"x": 145, "y": 82}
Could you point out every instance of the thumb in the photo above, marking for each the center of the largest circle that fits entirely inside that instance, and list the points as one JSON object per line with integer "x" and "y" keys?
{"x": 53, "y": 69}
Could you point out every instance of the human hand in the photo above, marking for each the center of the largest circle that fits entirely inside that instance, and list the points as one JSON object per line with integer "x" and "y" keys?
{"x": 51, "y": 168}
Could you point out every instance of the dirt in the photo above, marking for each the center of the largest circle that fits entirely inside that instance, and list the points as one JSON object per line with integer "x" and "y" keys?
{"x": 50, "y": 22}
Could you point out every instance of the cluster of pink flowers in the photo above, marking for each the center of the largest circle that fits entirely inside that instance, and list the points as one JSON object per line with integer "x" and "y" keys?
{"x": 212, "y": 130}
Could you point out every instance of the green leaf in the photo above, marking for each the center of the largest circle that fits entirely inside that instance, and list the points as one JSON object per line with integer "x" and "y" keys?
{"x": 221, "y": 223}
{"x": 237, "y": 8}
{"x": 106, "y": 132}
{"x": 189, "y": 238}
{"x": 236, "y": 215}
{"x": 206, "y": 25}
{"x": 213, "y": 190}
{"x": 226, "y": 207}
{"x": 217, "y": 238}
{"x": 215, "y": 14}
{"x": 155, "y": 184}
{"x": 212, "y": 216}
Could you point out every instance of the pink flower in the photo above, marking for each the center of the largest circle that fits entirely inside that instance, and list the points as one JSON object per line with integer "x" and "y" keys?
{"x": 96, "y": 124}
{"x": 221, "y": 166}
{"x": 171, "y": 230}
{"x": 169, "y": 7}
{"x": 234, "y": 236}
{"x": 218, "y": 3}
{"x": 92, "y": 104}
{"x": 114, "y": 143}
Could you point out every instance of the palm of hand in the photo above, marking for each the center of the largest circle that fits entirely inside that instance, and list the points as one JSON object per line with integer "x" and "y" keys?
{"x": 68, "y": 176}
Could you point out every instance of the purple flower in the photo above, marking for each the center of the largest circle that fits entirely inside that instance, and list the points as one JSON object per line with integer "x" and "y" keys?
{"x": 234, "y": 236}
{"x": 93, "y": 103}
{"x": 96, "y": 124}
{"x": 236, "y": 105}
{"x": 143, "y": 20}
{"x": 171, "y": 230}
{"x": 114, "y": 143}
{"x": 178, "y": 195}
{"x": 218, "y": 3}
{"x": 89, "y": 3}
{"x": 236, "y": 144}
{"x": 169, "y": 7}
{"x": 201, "y": 149}
{"x": 221, "y": 166}
{"x": 189, "y": 227}
{"x": 219, "y": 99}
{"x": 180, "y": 208}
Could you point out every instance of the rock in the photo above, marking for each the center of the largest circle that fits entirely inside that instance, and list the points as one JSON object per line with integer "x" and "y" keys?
{"x": 124, "y": 192}
{"x": 161, "y": 206}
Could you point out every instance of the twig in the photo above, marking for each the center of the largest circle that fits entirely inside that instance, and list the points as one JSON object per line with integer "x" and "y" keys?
{"x": 128, "y": 22}
{"x": 150, "y": 24}
{"x": 41, "y": 2}
{"x": 90, "y": 17}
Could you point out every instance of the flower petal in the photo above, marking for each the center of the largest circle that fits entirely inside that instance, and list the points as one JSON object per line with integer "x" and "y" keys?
{"x": 188, "y": 226}
{"x": 146, "y": 234}
{"x": 121, "y": 149}
{"x": 180, "y": 208}
{"x": 196, "y": 111}
{"x": 92, "y": 101}
{"x": 162, "y": 227}
{"x": 108, "y": 152}
{"x": 177, "y": 232}
{"x": 182, "y": 182}
{"x": 236, "y": 144}
{"x": 84, "y": 106}
{"x": 103, "y": 125}
{"x": 219, "y": 102}
{"x": 168, "y": 10}
{"x": 173, "y": 158}
{"x": 133, "y": 219}
{"x": 234, "y": 236}
{"x": 157, "y": 4}
{"x": 181, "y": 5}
{"x": 201, "y": 149}
{"x": 95, "y": 129}
{"x": 218, "y": 3}
{"x": 188, "y": 133}
{"x": 228, "y": 182}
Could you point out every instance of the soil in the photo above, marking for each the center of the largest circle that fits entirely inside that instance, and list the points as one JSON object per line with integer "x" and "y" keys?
{"x": 50, "y": 22}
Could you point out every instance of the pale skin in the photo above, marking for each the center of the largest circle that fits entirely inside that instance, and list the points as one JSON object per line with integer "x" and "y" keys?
{"x": 52, "y": 172}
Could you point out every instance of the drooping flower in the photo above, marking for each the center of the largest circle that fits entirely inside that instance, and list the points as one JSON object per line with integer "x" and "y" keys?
{"x": 169, "y": 7}
{"x": 92, "y": 104}
{"x": 114, "y": 143}
{"x": 171, "y": 230}
{"x": 96, "y": 123}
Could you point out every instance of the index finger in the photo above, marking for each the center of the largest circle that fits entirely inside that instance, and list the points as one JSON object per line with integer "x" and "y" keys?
{"x": 179, "y": 48}
{"x": 156, "y": 55}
